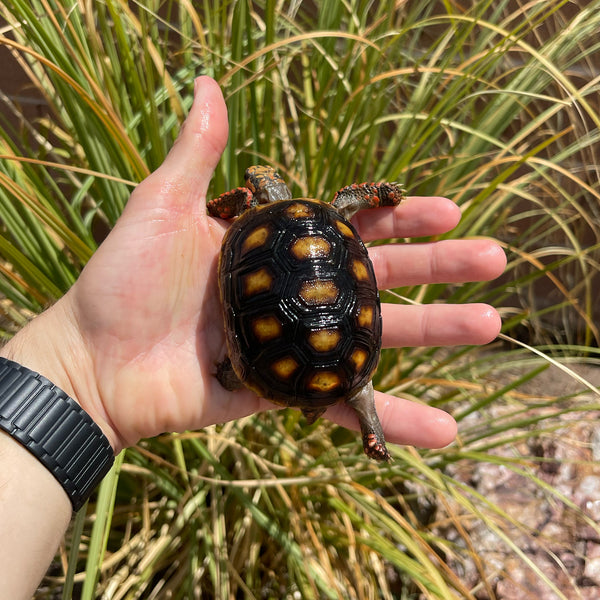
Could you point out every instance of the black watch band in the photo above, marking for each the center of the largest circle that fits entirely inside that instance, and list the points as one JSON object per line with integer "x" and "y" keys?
{"x": 55, "y": 429}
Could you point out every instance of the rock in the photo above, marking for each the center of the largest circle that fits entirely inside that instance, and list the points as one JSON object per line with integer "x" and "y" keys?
{"x": 559, "y": 542}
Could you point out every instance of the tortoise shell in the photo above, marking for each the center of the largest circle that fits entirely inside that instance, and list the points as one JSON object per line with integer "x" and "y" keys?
{"x": 300, "y": 302}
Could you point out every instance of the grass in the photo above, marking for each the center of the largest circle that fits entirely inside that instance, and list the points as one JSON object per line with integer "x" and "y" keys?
{"x": 494, "y": 105}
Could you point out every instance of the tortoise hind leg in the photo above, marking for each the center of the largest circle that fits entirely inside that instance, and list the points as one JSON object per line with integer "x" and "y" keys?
{"x": 227, "y": 376}
{"x": 363, "y": 402}
{"x": 352, "y": 198}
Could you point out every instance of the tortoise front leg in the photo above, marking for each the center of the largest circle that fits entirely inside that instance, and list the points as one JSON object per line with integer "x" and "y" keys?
{"x": 363, "y": 402}
{"x": 352, "y": 198}
{"x": 231, "y": 204}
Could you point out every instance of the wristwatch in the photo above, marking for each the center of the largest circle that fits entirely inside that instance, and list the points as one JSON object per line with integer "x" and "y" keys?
{"x": 55, "y": 429}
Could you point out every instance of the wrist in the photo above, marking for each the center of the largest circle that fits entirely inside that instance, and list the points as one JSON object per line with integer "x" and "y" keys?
{"x": 51, "y": 346}
{"x": 49, "y": 403}
{"x": 54, "y": 429}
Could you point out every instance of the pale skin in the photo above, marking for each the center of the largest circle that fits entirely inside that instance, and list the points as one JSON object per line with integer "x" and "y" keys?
{"x": 136, "y": 339}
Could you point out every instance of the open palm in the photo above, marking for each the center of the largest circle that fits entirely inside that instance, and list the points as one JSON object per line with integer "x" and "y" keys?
{"x": 148, "y": 313}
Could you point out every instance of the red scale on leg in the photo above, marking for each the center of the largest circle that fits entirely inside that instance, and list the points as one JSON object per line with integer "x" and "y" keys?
{"x": 374, "y": 448}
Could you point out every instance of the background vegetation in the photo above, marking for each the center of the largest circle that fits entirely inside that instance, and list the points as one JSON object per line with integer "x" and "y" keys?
{"x": 494, "y": 104}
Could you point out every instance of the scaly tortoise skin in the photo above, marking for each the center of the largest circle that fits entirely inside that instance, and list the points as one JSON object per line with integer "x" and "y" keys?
{"x": 300, "y": 300}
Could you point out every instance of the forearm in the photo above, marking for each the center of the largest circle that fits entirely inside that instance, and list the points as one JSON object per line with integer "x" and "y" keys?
{"x": 34, "y": 516}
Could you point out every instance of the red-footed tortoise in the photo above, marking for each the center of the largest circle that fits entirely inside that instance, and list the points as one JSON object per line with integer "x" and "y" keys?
{"x": 300, "y": 300}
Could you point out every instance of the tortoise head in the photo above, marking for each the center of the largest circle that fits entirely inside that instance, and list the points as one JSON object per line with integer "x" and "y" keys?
{"x": 266, "y": 184}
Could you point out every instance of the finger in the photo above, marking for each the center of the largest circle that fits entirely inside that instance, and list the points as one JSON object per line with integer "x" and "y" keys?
{"x": 438, "y": 325}
{"x": 447, "y": 261}
{"x": 416, "y": 216}
{"x": 184, "y": 176}
{"x": 403, "y": 421}
{"x": 203, "y": 136}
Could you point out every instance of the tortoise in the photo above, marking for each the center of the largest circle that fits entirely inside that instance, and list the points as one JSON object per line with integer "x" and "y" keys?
{"x": 299, "y": 298}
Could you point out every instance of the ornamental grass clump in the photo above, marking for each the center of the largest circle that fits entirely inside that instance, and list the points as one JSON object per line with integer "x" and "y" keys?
{"x": 494, "y": 105}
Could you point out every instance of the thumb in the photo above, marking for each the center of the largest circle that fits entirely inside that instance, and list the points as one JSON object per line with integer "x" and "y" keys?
{"x": 184, "y": 176}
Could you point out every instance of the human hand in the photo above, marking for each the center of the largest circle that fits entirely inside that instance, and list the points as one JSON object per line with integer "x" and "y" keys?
{"x": 136, "y": 339}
